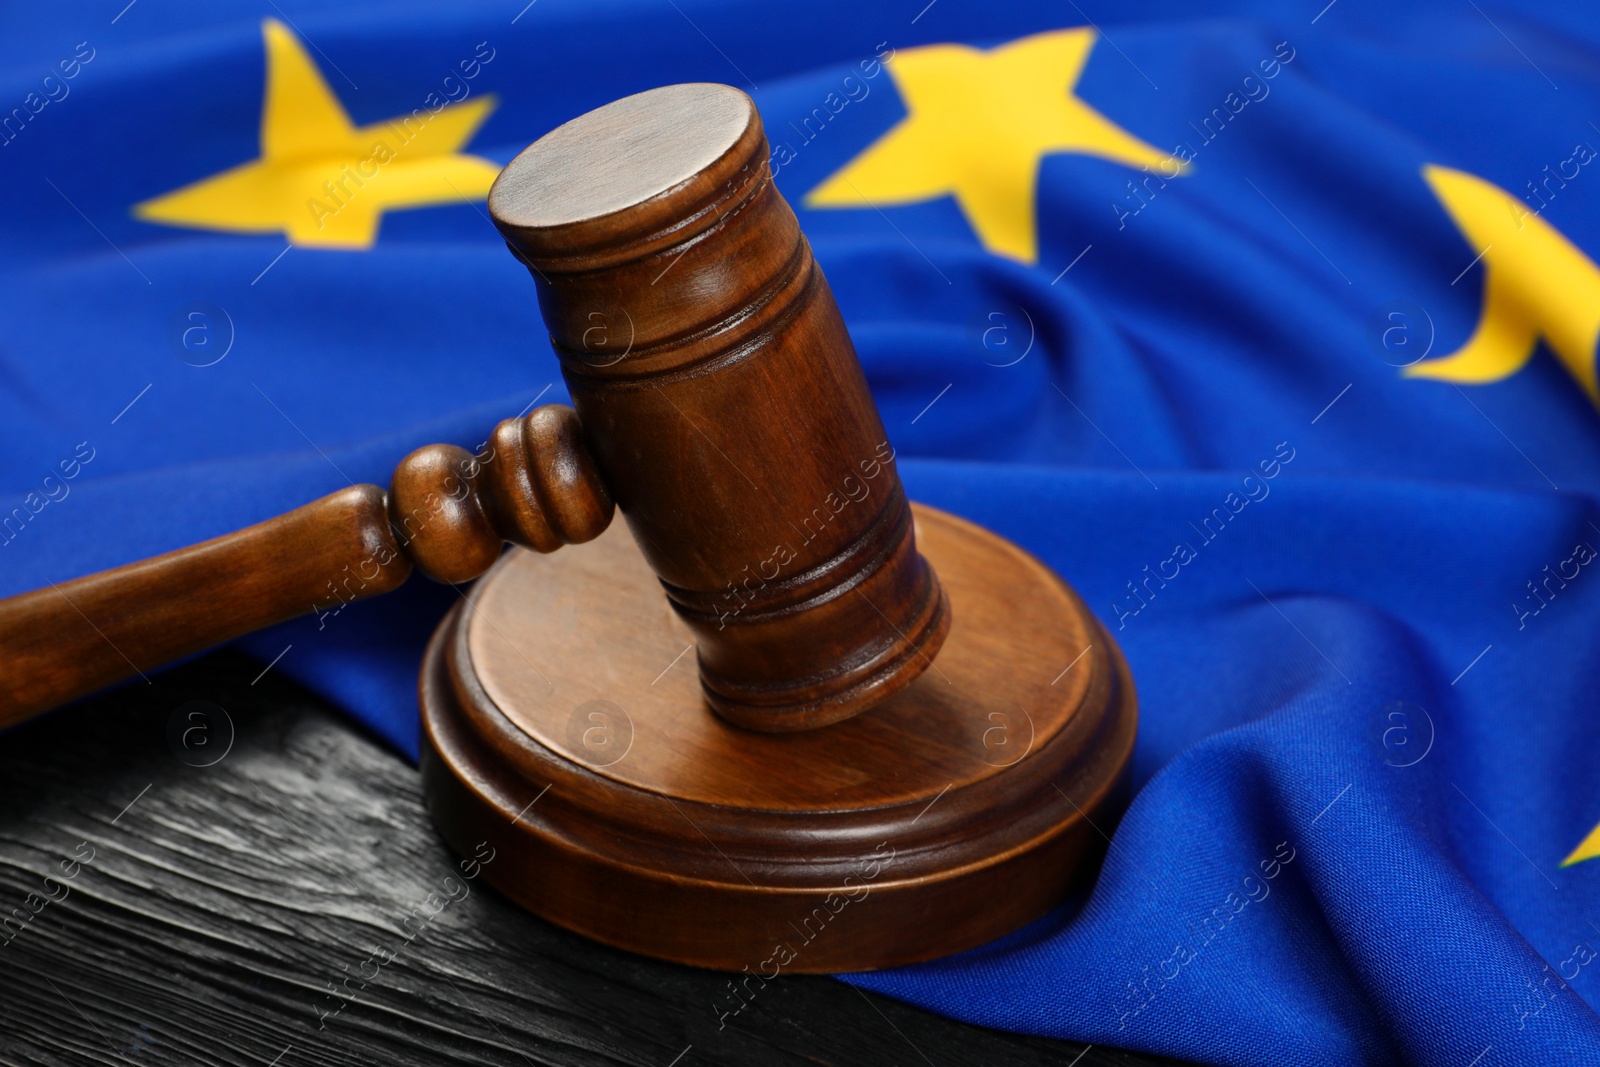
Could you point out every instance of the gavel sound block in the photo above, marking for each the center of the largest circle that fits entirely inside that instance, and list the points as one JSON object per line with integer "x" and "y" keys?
{"x": 896, "y": 727}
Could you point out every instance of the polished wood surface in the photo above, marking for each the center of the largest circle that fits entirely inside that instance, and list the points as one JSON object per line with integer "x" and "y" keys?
{"x": 224, "y": 900}
{"x": 954, "y": 812}
{"x": 724, "y": 404}
{"x": 449, "y": 513}
{"x": 648, "y": 729}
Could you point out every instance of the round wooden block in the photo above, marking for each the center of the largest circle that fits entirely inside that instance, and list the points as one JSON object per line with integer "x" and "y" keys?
{"x": 563, "y": 723}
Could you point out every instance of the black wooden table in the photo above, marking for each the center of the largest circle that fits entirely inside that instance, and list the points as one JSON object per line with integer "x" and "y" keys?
{"x": 230, "y": 914}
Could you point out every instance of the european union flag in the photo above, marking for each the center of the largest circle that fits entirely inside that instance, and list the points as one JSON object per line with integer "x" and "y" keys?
{"x": 1270, "y": 327}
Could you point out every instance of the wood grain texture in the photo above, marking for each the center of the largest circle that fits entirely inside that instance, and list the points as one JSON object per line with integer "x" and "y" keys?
{"x": 562, "y": 725}
{"x": 650, "y": 142}
{"x": 449, "y": 512}
{"x": 724, "y": 404}
{"x": 222, "y": 900}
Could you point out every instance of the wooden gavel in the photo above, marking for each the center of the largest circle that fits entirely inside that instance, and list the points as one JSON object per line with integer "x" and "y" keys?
{"x": 720, "y": 406}
{"x": 719, "y": 403}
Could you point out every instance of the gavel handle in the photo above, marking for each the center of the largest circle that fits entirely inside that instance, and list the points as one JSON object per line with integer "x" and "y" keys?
{"x": 67, "y": 640}
{"x": 448, "y": 512}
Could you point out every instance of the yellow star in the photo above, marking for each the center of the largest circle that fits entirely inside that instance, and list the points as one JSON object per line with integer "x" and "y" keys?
{"x": 979, "y": 123}
{"x": 1588, "y": 849}
{"x": 320, "y": 179}
{"x": 1536, "y": 284}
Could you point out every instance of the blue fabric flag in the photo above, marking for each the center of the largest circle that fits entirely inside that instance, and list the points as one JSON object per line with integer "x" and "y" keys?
{"x": 1271, "y": 327}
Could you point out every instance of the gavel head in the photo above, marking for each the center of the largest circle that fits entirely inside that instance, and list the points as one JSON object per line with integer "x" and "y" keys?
{"x": 724, "y": 404}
